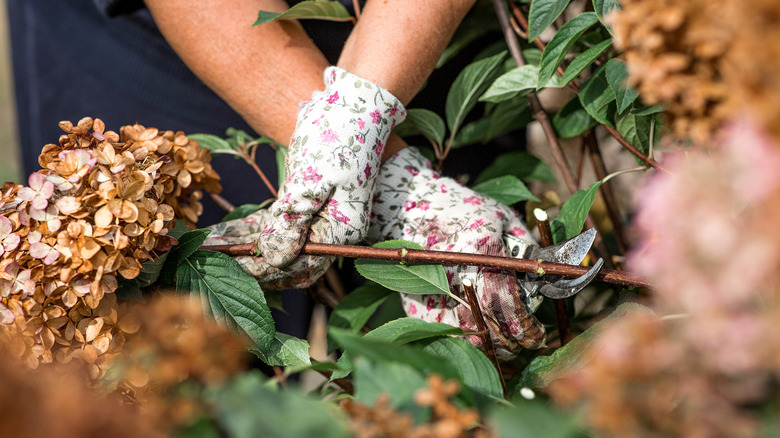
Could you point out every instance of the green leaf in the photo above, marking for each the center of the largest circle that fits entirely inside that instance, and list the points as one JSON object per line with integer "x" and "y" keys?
{"x": 391, "y": 352}
{"x": 405, "y": 330}
{"x": 427, "y": 123}
{"x": 506, "y": 189}
{"x": 468, "y": 86}
{"x": 518, "y": 81}
{"x": 636, "y": 129}
{"x": 473, "y": 367}
{"x": 583, "y": 61}
{"x": 129, "y": 290}
{"x": 321, "y": 10}
{"x": 572, "y": 120}
{"x": 188, "y": 244}
{"x": 556, "y": 49}
{"x": 532, "y": 419}
{"x": 241, "y": 211}
{"x": 573, "y": 213}
{"x": 151, "y": 271}
{"x": 231, "y": 295}
{"x": 647, "y": 110}
{"x": 617, "y": 73}
{"x": 354, "y": 310}
{"x": 520, "y": 164}
{"x": 542, "y": 14}
{"x": 281, "y": 170}
{"x": 598, "y": 98}
{"x": 508, "y": 116}
{"x": 532, "y": 56}
{"x": 217, "y": 145}
{"x": 397, "y": 380}
{"x": 603, "y": 7}
{"x": 570, "y": 358}
{"x": 409, "y": 278}
{"x": 286, "y": 351}
{"x": 246, "y": 407}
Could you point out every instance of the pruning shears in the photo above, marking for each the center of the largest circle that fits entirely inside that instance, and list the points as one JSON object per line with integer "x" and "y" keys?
{"x": 536, "y": 286}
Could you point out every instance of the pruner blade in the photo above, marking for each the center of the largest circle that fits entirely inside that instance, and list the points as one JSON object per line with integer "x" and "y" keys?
{"x": 570, "y": 252}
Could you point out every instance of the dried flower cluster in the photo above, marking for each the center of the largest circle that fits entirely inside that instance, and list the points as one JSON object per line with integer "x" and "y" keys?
{"x": 175, "y": 344}
{"x": 50, "y": 402}
{"x": 100, "y": 206}
{"x": 708, "y": 61}
{"x": 447, "y": 420}
{"x": 712, "y": 249}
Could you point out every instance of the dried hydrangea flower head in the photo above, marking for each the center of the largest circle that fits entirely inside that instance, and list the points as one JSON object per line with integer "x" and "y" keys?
{"x": 101, "y": 205}
{"x": 707, "y": 62}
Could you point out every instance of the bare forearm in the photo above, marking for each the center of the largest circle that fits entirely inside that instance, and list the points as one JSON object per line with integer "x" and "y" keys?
{"x": 263, "y": 72}
{"x": 396, "y": 43}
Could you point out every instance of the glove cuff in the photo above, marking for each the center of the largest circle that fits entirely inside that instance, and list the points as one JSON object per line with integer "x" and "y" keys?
{"x": 341, "y": 85}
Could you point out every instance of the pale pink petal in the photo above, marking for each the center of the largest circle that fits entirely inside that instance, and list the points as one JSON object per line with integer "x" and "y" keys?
{"x": 6, "y": 315}
{"x": 6, "y": 227}
{"x": 35, "y": 181}
{"x": 26, "y": 194}
{"x": 11, "y": 242}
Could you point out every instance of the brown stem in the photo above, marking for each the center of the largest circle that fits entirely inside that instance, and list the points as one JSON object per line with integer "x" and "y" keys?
{"x": 223, "y": 203}
{"x": 561, "y": 313}
{"x": 335, "y": 283}
{"x": 356, "y": 7}
{"x": 636, "y": 152}
{"x": 476, "y": 310}
{"x": 621, "y": 278}
{"x": 322, "y": 294}
{"x": 262, "y": 176}
{"x": 580, "y": 164}
{"x": 607, "y": 190}
{"x": 540, "y": 115}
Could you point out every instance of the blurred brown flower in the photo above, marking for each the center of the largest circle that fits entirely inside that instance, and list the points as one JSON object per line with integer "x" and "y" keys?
{"x": 709, "y": 363}
{"x": 707, "y": 61}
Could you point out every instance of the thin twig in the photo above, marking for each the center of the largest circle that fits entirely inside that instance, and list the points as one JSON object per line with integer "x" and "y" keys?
{"x": 622, "y": 278}
{"x": 539, "y": 114}
{"x": 263, "y": 177}
{"x": 476, "y": 310}
{"x": 335, "y": 283}
{"x": 561, "y": 312}
{"x": 607, "y": 191}
{"x": 222, "y": 203}
{"x": 356, "y": 7}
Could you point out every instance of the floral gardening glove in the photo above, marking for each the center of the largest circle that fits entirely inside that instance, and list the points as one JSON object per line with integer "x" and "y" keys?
{"x": 332, "y": 164}
{"x": 301, "y": 273}
{"x": 412, "y": 202}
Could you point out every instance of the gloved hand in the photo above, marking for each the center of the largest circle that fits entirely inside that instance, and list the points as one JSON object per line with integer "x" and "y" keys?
{"x": 301, "y": 273}
{"x": 412, "y": 202}
{"x": 333, "y": 160}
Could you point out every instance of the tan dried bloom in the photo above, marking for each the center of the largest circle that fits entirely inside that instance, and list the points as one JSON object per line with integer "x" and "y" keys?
{"x": 447, "y": 420}
{"x": 173, "y": 343}
{"x": 707, "y": 61}
{"x": 49, "y": 402}
{"x": 99, "y": 207}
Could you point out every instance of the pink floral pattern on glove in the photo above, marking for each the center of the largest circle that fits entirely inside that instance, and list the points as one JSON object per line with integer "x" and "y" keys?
{"x": 412, "y": 202}
{"x": 332, "y": 165}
